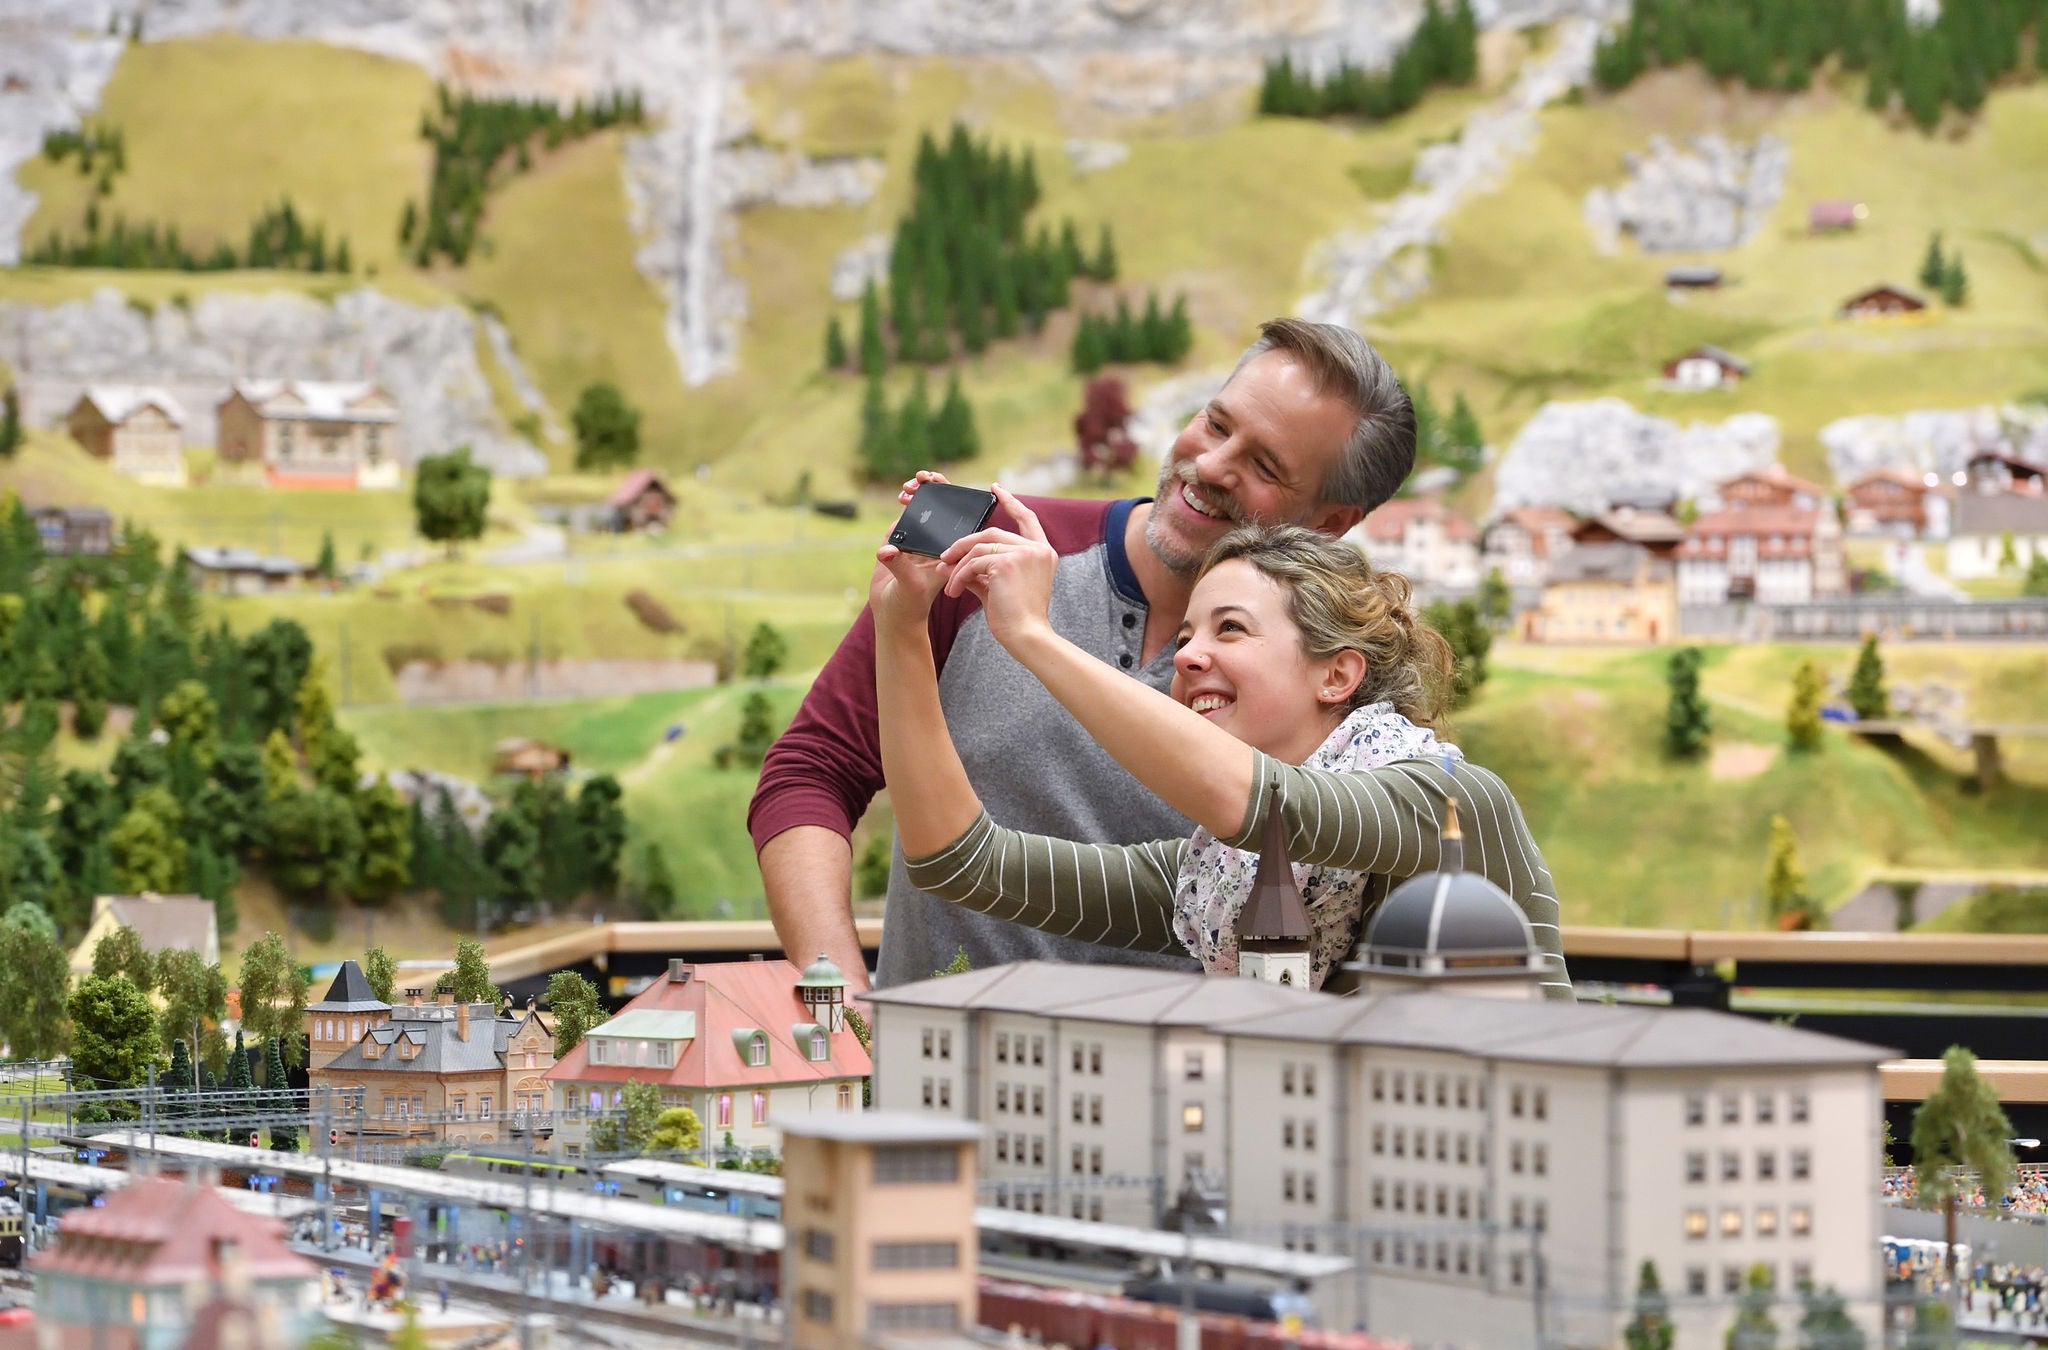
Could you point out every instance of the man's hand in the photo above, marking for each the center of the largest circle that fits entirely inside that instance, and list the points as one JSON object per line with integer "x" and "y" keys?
{"x": 1011, "y": 573}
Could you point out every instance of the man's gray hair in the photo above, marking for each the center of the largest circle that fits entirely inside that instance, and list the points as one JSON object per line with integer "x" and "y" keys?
{"x": 1381, "y": 451}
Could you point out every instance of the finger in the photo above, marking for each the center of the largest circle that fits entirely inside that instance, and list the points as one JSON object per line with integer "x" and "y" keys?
{"x": 961, "y": 547}
{"x": 1026, "y": 518}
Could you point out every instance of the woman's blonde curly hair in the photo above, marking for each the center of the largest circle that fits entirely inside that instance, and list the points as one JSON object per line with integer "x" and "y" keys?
{"x": 1340, "y": 602}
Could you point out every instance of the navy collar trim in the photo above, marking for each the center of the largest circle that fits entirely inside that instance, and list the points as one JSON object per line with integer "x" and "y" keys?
{"x": 1121, "y": 574}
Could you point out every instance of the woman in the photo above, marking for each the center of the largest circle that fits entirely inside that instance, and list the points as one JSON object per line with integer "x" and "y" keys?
{"x": 1299, "y": 667}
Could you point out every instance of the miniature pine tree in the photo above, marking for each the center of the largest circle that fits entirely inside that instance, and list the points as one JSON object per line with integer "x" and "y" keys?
{"x": 1650, "y": 1328}
{"x": 872, "y": 354}
{"x": 1933, "y": 267}
{"x": 1785, "y": 897}
{"x": 10, "y": 423}
{"x": 1802, "y": 717}
{"x": 877, "y": 433}
{"x": 283, "y": 1138}
{"x": 1866, "y": 684}
{"x": 326, "y": 565}
{"x": 835, "y": 344}
{"x": 1955, "y": 282}
{"x": 1686, "y": 724}
{"x": 1753, "y": 1328}
{"x": 913, "y": 449}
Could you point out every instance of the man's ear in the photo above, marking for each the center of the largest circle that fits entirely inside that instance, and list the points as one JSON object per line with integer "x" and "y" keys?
{"x": 1341, "y": 677}
{"x": 1334, "y": 520}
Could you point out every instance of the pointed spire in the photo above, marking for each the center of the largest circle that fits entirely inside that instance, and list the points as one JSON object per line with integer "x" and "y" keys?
{"x": 1453, "y": 855}
{"x": 1274, "y": 917}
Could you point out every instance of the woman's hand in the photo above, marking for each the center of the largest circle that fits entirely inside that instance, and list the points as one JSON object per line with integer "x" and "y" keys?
{"x": 1010, "y": 573}
{"x": 904, "y": 585}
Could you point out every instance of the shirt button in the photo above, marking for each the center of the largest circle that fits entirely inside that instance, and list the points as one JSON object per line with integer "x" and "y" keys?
{"x": 1124, "y": 660}
{"x": 1130, "y": 621}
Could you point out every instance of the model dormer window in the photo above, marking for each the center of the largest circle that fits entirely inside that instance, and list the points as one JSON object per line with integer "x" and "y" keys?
{"x": 752, "y": 1043}
{"x": 821, "y": 1047}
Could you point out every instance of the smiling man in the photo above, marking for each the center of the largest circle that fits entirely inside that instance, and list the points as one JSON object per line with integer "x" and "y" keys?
{"x": 1312, "y": 428}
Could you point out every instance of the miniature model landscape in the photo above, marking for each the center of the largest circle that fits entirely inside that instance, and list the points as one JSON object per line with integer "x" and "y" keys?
{"x": 440, "y": 447}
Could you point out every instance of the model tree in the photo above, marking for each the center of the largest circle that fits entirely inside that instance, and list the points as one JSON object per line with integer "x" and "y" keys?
{"x": 835, "y": 344}
{"x": 1802, "y": 715}
{"x": 601, "y": 830}
{"x": 628, "y": 1128}
{"x": 34, "y": 980}
{"x": 449, "y": 498}
{"x": 1686, "y": 724}
{"x": 1754, "y": 1329}
{"x": 1650, "y": 1328}
{"x": 1866, "y": 683}
{"x": 574, "y": 1003}
{"x": 10, "y": 423}
{"x": 386, "y": 825}
{"x": 607, "y": 428}
{"x": 473, "y": 974}
{"x": 382, "y": 973}
{"x": 195, "y": 997}
{"x": 676, "y": 1130}
{"x": 511, "y": 857}
{"x": 1960, "y": 1129}
{"x": 113, "y": 1033}
{"x": 1102, "y": 437}
{"x": 1933, "y": 267}
{"x": 121, "y": 952}
{"x": 765, "y": 652}
{"x": 1470, "y": 639}
{"x": 657, "y": 884}
{"x": 274, "y": 996}
{"x": 1955, "y": 282}
{"x": 1826, "y": 1324}
{"x": 148, "y": 848}
{"x": 283, "y": 1138}
{"x": 874, "y": 357}
{"x": 1785, "y": 896}
{"x": 241, "y": 1083}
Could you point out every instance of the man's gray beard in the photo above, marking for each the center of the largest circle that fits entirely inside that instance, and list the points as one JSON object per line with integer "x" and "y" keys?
{"x": 1181, "y": 563}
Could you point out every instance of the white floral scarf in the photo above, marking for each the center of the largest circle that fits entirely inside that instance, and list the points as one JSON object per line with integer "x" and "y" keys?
{"x": 1215, "y": 879}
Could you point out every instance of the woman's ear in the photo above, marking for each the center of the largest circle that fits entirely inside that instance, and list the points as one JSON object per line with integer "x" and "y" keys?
{"x": 1340, "y": 678}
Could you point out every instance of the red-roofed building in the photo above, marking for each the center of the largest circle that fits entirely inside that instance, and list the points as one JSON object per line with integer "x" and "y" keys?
{"x": 1896, "y": 500}
{"x": 641, "y": 502}
{"x": 1524, "y": 542}
{"x": 741, "y": 1043}
{"x": 138, "y": 1269}
{"x": 1422, "y": 539}
{"x": 1776, "y": 554}
{"x": 1882, "y": 302}
{"x": 1771, "y": 485}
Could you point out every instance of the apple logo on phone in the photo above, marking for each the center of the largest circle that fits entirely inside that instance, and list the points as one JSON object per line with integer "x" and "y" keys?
{"x": 924, "y": 517}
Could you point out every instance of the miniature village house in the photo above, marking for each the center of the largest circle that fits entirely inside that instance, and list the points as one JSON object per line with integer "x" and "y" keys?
{"x": 1705, "y": 367}
{"x": 1651, "y": 528}
{"x": 1770, "y": 485}
{"x": 744, "y": 1044}
{"x": 640, "y": 502}
{"x": 1994, "y": 533}
{"x": 161, "y": 923}
{"x": 139, "y": 429}
{"x": 1834, "y": 217}
{"x": 145, "y": 1267}
{"x": 1697, "y": 277}
{"x": 1882, "y": 302}
{"x": 1896, "y": 501}
{"x": 445, "y": 1071}
{"x": 313, "y": 433}
{"x": 1611, "y": 591}
{"x": 1439, "y": 1126}
{"x": 1523, "y": 543}
{"x": 527, "y": 757}
{"x": 242, "y": 571}
{"x": 1776, "y": 540}
{"x": 74, "y": 531}
{"x": 1424, "y": 540}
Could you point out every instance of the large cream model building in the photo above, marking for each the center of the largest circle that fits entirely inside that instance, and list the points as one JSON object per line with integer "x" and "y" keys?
{"x": 1502, "y": 1165}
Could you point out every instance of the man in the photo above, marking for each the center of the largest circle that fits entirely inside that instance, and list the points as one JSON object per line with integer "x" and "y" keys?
{"x": 1311, "y": 428}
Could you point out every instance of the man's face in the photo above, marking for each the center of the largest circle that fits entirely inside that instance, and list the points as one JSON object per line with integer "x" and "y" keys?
{"x": 1258, "y": 452}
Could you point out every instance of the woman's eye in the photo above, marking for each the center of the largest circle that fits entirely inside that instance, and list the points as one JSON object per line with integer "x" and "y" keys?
{"x": 1230, "y": 626}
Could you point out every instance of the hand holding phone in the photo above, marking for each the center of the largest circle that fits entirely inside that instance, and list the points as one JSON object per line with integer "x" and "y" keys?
{"x": 940, "y": 514}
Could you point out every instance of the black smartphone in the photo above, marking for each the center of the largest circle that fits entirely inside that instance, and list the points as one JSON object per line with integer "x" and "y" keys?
{"x": 939, "y": 515}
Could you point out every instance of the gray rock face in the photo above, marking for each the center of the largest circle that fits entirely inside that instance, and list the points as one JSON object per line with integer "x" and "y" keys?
{"x": 1582, "y": 455}
{"x": 864, "y": 262}
{"x": 424, "y": 357}
{"x": 1713, "y": 195}
{"x": 51, "y": 75}
{"x": 1094, "y": 156}
{"x": 1934, "y": 441}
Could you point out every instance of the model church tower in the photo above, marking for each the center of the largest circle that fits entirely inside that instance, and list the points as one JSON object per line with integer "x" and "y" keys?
{"x": 1273, "y": 935}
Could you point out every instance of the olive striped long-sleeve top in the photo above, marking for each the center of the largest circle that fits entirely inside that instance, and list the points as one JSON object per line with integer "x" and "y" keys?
{"x": 1386, "y": 821}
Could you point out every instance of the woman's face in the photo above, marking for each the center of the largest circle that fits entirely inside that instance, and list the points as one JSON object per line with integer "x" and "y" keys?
{"x": 1240, "y": 664}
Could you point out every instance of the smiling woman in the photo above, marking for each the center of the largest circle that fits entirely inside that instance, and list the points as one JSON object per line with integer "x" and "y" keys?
{"x": 1303, "y": 684}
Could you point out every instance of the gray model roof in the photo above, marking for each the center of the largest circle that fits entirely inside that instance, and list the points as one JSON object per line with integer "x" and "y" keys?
{"x": 350, "y": 992}
{"x": 1615, "y": 561}
{"x": 1127, "y": 994}
{"x": 440, "y": 1049}
{"x": 1447, "y": 913}
{"x": 1591, "y": 1034}
{"x": 1996, "y": 513}
{"x": 882, "y": 1127}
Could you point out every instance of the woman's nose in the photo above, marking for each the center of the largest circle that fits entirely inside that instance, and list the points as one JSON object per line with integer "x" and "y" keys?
{"x": 1190, "y": 658}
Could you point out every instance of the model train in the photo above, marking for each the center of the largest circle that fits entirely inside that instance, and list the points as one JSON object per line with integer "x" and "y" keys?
{"x": 13, "y": 1242}
{"x": 1067, "y": 1317}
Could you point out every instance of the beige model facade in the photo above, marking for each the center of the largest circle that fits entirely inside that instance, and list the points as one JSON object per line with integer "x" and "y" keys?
{"x": 139, "y": 429}
{"x": 878, "y": 1210}
{"x": 313, "y": 433}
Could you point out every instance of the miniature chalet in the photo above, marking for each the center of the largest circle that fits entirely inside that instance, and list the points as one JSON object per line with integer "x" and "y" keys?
{"x": 1776, "y": 540}
{"x": 139, "y": 429}
{"x": 1993, "y": 471}
{"x": 1424, "y": 540}
{"x": 1692, "y": 278}
{"x": 1654, "y": 529}
{"x": 1705, "y": 367}
{"x": 1986, "y": 525}
{"x": 162, "y": 923}
{"x": 744, "y": 1044}
{"x": 1829, "y": 217}
{"x": 1496, "y": 1161}
{"x": 641, "y": 502}
{"x": 140, "y": 1270}
{"x": 1882, "y": 302}
{"x": 879, "y": 1239}
{"x": 313, "y": 433}
{"x": 528, "y": 758}
{"x": 241, "y": 571}
{"x": 1610, "y": 591}
{"x": 445, "y": 1072}
{"x": 1524, "y": 542}
{"x": 74, "y": 531}
{"x": 1897, "y": 501}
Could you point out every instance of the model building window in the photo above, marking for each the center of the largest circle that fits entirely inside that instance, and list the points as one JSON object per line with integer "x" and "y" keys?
{"x": 1038, "y": 1050}
{"x": 1287, "y": 1082}
{"x": 1095, "y": 1209}
{"x": 1539, "y": 1103}
{"x": 1731, "y": 1223}
{"x": 1766, "y": 1166}
{"x": 1464, "y": 1148}
{"x": 1038, "y": 1150}
{"x": 1767, "y": 1222}
{"x": 1400, "y": 1142}
{"x": 1695, "y": 1168}
{"x": 1464, "y": 1203}
{"x": 1095, "y": 1110}
{"x": 1731, "y": 1279}
{"x": 1038, "y": 1101}
{"x": 1002, "y": 1096}
{"x": 917, "y": 1256}
{"x": 1095, "y": 1059}
{"x": 818, "y": 1245}
{"x": 1287, "y": 1185}
{"x": 1539, "y": 1159}
{"x": 483, "y": 1106}
{"x": 724, "y": 1110}
{"x": 1308, "y": 1135}
{"x": 913, "y": 1316}
{"x": 945, "y": 1092}
{"x": 1075, "y": 1208}
{"x": 1379, "y": 1139}
{"x": 1379, "y": 1085}
{"x": 928, "y": 1041}
{"x": 1094, "y": 1162}
{"x": 460, "y": 1104}
{"x": 1515, "y": 1157}
{"x": 1379, "y": 1251}
{"x": 1002, "y": 1047}
{"x": 1401, "y": 1196}
{"x": 1696, "y": 1281}
{"x": 1796, "y": 1108}
{"x": 1802, "y": 1164}
{"x": 1308, "y": 1187}
{"x": 1442, "y": 1150}
{"x": 1515, "y": 1269}
{"x": 1002, "y": 1148}
{"x": 1443, "y": 1201}
{"x": 1802, "y": 1275}
{"x": 945, "y": 1045}
{"x": 1443, "y": 1090}
{"x": 1766, "y": 1108}
{"x": 911, "y": 1164}
{"x": 1078, "y": 1054}
{"x": 1731, "y": 1109}
{"x": 760, "y": 1108}
{"x": 1695, "y": 1223}
{"x": 1379, "y": 1193}
{"x": 846, "y": 1096}
{"x": 1400, "y": 1086}
{"x": 1191, "y": 1066}
{"x": 817, "y": 1306}
{"x": 1464, "y": 1092}
{"x": 1800, "y": 1220}
{"x": 1191, "y": 1118}
{"x": 1078, "y": 1159}
{"x": 1695, "y": 1108}
{"x": 1464, "y": 1259}
{"x": 1192, "y": 1163}
{"x": 1287, "y": 1133}
{"x": 1080, "y": 1108}
{"x": 929, "y": 1096}
{"x": 1731, "y": 1165}
{"x": 1515, "y": 1101}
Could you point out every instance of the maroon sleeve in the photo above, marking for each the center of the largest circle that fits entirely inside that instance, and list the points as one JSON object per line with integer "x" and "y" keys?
{"x": 827, "y": 767}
